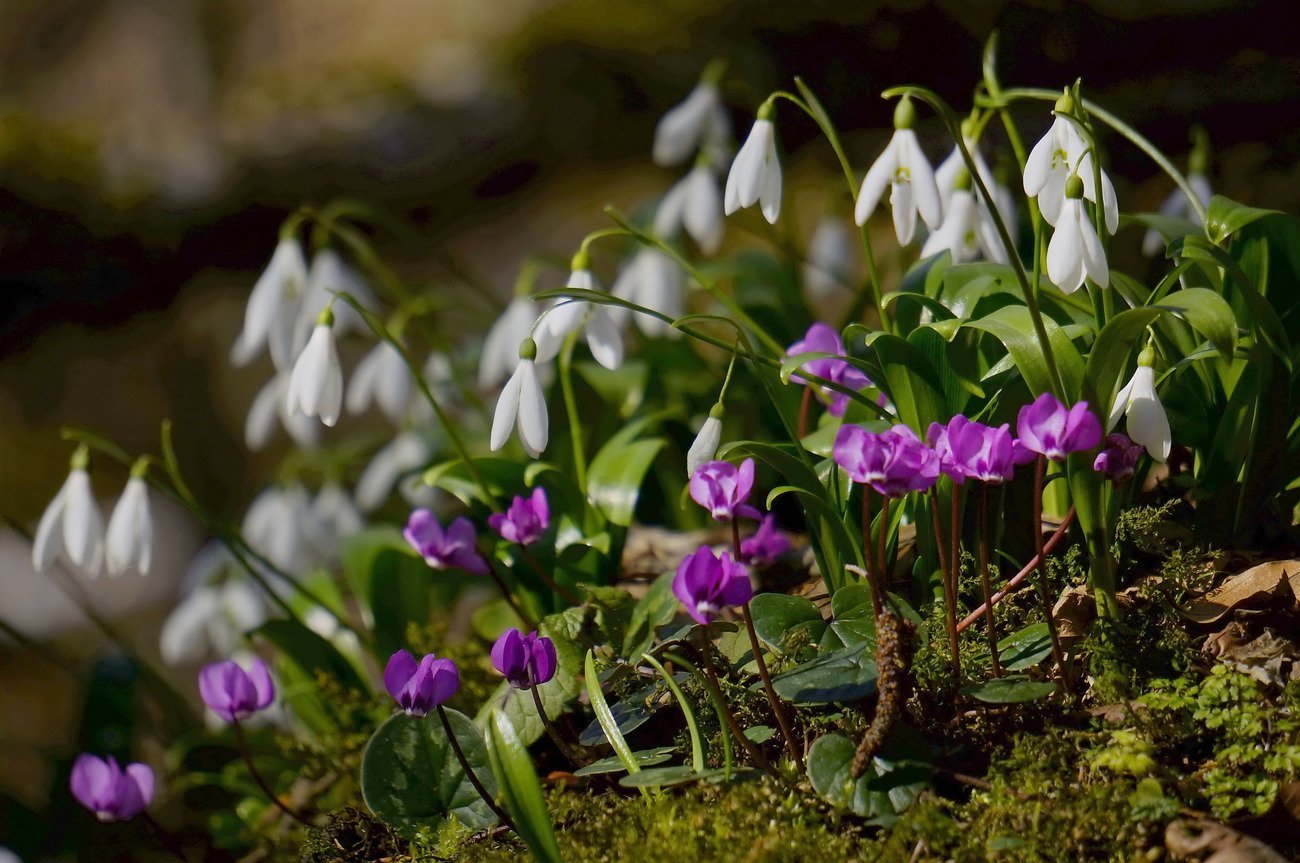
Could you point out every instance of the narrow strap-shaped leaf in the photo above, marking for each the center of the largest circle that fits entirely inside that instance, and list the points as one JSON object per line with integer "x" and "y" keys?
{"x": 692, "y": 727}
{"x": 521, "y": 789}
{"x": 605, "y": 717}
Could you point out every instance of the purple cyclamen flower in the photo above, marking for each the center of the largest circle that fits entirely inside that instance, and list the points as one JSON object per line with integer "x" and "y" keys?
{"x": 112, "y": 793}
{"x": 1118, "y": 457}
{"x": 765, "y": 545}
{"x": 524, "y": 660}
{"x": 952, "y": 450}
{"x": 893, "y": 462}
{"x": 977, "y": 451}
{"x": 526, "y": 519}
{"x": 1048, "y": 428}
{"x": 723, "y": 489}
{"x": 234, "y": 693}
{"x": 822, "y": 338}
{"x": 419, "y": 687}
{"x": 456, "y": 547}
{"x": 707, "y": 583}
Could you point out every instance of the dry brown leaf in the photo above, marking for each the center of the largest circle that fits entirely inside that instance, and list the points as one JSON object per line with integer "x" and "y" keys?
{"x": 1074, "y": 612}
{"x": 1184, "y": 838}
{"x": 1266, "y": 579}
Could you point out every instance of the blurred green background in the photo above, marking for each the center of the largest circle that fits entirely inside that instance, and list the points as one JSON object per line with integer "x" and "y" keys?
{"x": 150, "y": 149}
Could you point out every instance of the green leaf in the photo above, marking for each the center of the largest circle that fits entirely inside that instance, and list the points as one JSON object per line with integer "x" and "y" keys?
{"x": 688, "y": 713}
{"x": 651, "y": 611}
{"x": 853, "y": 619}
{"x": 311, "y": 653}
{"x": 1012, "y": 689}
{"x": 847, "y": 674}
{"x": 1209, "y": 314}
{"x": 898, "y": 773}
{"x": 1225, "y": 217}
{"x": 412, "y": 780}
{"x": 404, "y": 591}
{"x": 1014, "y": 328}
{"x": 659, "y": 777}
{"x": 1026, "y": 648}
{"x": 776, "y": 614}
{"x": 521, "y": 789}
{"x": 600, "y": 707}
{"x": 556, "y": 694}
{"x": 1108, "y": 359}
{"x": 911, "y": 381}
{"x": 613, "y": 764}
{"x": 623, "y": 388}
{"x": 615, "y": 476}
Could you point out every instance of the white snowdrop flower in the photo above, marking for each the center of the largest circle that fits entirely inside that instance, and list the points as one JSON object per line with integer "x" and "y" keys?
{"x": 335, "y": 511}
{"x": 129, "y": 541}
{"x": 565, "y": 316}
{"x": 705, "y": 446}
{"x": 1178, "y": 206}
{"x": 700, "y": 120}
{"x": 281, "y": 526}
{"x": 656, "y": 281}
{"x": 271, "y": 404}
{"x": 405, "y": 453}
{"x": 501, "y": 345}
{"x": 220, "y": 607}
{"x": 1147, "y": 422}
{"x": 694, "y": 203}
{"x": 7, "y": 856}
{"x": 904, "y": 169}
{"x": 755, "y": 176}
{"x": 828, "y": 271}
{"x": 316, "y": 383}
{"x": 72, "y": 524}
{"x": 522, "y": 403}
{"x": 381, "y": 378}
{"x": 328, "y": 276}
{"x": 272, "y": 311}
{"x": 967, "y": 229}
{"x": 952, "y": 167}
{"x": 1059, "y": 154}
{"x": 1075, "y": 252}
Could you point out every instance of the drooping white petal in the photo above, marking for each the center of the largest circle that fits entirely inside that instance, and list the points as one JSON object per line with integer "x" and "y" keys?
{"x": 900, "y": 201}
{"x": 262, "y": 415}
{"x": 533, "y": 424}
{"x": 406, "y": 452}
{"x": 702, "y": 210}
{"x": 381, "y": 377}
{"x": 924, "y": 191}
{"x": 501, "y": 345}
{"x": 1094, "y": 256}
{"x": 272, "y": 299}
{"x": 755, "y": 173}
{"x": 1065, "y": 266}
{"x": 503, "y": 418}
{"x": 681, "y": 129}
{"x": 83, "y": 526}
{"x": 1039, "y": 163}
{"x": 129, "y": 540}
{"x": 879, "y": 175}
{"x": 183, "y": 640}
{"x": 829, "y": 267}
{"x": 705, "y": 446}
{"x": 335, "y": 510}
{"x": 603, "y": 338}
{"x": 48, "y": 542}
{"x": 316, "y": 382}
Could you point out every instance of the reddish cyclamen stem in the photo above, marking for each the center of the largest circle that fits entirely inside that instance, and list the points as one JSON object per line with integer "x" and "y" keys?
{"x": 1044, "y": 589}
{"x": 469, "y": 771}
{"x": 1020, "y": 576}
{"x": 242, "y": 743}
{"x": 984, "y": 576}
{"x": 949, "y": 586}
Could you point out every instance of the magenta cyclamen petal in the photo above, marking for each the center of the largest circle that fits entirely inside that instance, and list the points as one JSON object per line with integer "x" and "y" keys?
{"x": 454, "y": 548}
{"x": 107, "y": 790}
{"x": 723, "y": 488}
{"x": 1046, "y": 427}
{"x": 234, "y": 694}
{"x": 706, "y": 583}
{"x": 524, "y": 660}
{"x": 893, "y": 462}
{"x": 420, "y": 686}
{"x": 525, "y": 521}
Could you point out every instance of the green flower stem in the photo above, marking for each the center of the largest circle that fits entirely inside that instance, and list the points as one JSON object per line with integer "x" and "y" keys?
{"x": 551, "y": 731}
{"x": 547, "y": 580}
{"x": 812, "y": 106}
{"x": 752, "y": 751}
{"x": 1044, "y": 590}
{"x": 571, "y": 408}
{"x": 984, "y": 576}
{"x": 508, "y": 595}
{"x": 469, "y": 771}
{"x": 994, "y": 89}
{"x": 725, "y": 721}
{"x": 242, "y": 744}
{"x": 728, "y": 302}
{"x": 949, "y": 585}
{"x": 1030, "y": 291}
{"x": 868, "y": 556}
{"x": 1138, "y": 140}
{"x": 449, "y": 428}
{"x": 778, "y": 709}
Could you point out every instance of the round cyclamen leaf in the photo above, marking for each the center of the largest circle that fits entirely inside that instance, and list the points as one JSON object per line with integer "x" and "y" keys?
{"x": 411, "y": 779}
{"x": 888, "y": 786}
{"x": 1012, "y": 689}
{"x": 841, "y": 675}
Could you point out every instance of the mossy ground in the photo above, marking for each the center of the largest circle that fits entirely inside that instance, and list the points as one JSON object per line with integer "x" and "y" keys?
{"x": 1043, "y": 781}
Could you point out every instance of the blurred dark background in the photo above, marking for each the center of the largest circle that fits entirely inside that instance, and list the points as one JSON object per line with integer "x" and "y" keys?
{"x": 150, "y": 149}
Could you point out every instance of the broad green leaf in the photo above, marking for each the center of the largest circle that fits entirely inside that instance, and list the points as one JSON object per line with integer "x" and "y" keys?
{"x": 777, "y": 614}
{"x": 606, "y": 719}
{"x": 893, "y": 779}
{"x": 656, "y": 608}
{"x": 1012, "y": 689}
{"x": 522, "y": 791}
{"x": 1014, "y": 327}
{"x": 1208, "y": 313}
{"x": 616, "y": 473}
{"x": 843, "y": 675}
{"x": 911, "y": 381}
{"x": 661, "y": 777}
{"x": 1026, "y": 648}
{"x": 412, "y": 780}
{"x": 311, "y": 653}
{"x": 1225, "y": 217}
{"x": 624, "y": 387}
{"x": 853, "y": 618}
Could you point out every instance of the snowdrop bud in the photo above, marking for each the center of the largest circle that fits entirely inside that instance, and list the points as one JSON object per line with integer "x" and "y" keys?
{"x": 1075, "y": 252}
{"x": 72, "y": 525}
{"x": 705, "y": 446}
{"x": 522, "y": 400}
{"x": 316, "y": 382}
{"x": 1147, "y": 422}
{"x": 755, "y": 176}
{"x": 130, "y": 528}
